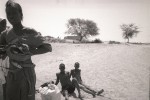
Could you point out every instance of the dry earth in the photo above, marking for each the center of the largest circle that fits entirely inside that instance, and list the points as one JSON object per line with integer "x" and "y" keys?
{"x": 121, "y": 70}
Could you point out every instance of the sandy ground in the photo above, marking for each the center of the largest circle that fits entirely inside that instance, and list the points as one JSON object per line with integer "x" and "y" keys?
{"x": 121, "y": 70}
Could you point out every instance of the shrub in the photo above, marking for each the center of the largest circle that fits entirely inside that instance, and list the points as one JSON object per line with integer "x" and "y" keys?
{"x": 97, "y": 41}
{"x": 113, "y": 42}
{"x": 85, "y": 41}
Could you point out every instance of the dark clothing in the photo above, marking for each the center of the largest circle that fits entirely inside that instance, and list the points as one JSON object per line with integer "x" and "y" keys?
{"x": 69, "y": 88}
{"x": 4, "y": 91}
{"x": 21, "y": 81}
{"x": 21, "y": 85}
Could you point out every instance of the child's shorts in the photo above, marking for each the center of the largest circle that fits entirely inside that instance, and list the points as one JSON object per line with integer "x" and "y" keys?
{"x": 69, "y": 88}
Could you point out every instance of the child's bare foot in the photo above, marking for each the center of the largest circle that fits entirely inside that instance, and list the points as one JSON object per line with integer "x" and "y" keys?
{"x": 94, "y": 95}
{"x": 81, "y": 97}
{"x": 99, "y": 92}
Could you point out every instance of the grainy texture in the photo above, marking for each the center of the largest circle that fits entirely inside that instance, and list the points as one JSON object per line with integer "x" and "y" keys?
{"x": 121, "y": 70}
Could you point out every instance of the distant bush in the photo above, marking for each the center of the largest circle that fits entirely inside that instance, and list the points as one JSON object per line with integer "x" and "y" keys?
{"x": 114, "y": 42}
{"x": 56, "y": 40}
{"x": 97, "y": 41}
{"x": 50, "y": 39}
{"x": 85, "y": 41}
{"x": 139, "y": 43}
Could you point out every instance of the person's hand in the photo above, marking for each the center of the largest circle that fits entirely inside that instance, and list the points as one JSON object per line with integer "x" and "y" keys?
{"x": 24, "y": 48}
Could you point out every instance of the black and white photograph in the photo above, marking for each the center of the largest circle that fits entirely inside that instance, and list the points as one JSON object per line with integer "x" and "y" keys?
{"x": 74, "y": 49}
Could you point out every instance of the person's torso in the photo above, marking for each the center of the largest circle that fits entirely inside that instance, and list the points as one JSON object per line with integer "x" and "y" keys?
{"x": 64, "y": 78}
{"x": 26, "y": 67}
{"x": 76, "y": 74}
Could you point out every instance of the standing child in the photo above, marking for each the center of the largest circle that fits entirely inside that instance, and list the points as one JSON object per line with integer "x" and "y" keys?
{"x": 2, "y": 75}
{"x": 22, "y": 43}
{"x": 76, "y": 74}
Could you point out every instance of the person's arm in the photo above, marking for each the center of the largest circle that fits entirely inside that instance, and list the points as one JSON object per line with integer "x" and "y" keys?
{"x": 3, "y": 38}
{"x": 57, "y": 80}
{"x": 36, "y": 42}
{"x": 3, "y": 42}
{"x": 42, "y": 49}
{"x": 80, "y": 76}
{"x": 70, "y": 74}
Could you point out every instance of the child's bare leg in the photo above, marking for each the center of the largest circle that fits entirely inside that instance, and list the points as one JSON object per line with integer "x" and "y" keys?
{"x": 96, "y": 92}
{"x": 74, "y": 95}
{"x": 65, "y": 94}
{"x": 87, "y": 91}
{"x": 99, "y": 92}
{"x": 75, "y": 82}
{"x": 87, "y": 87}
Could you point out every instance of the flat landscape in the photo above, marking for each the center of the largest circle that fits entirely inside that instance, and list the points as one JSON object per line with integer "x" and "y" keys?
{"x": 122, "y": 70}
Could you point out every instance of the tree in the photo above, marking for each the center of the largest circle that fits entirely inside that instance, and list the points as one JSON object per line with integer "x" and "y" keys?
{"x": 129, "y": 31}
{"x": 82, "y": 28}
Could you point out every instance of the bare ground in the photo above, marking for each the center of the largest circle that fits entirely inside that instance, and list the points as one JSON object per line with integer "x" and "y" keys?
{"x": 121, "y": 70}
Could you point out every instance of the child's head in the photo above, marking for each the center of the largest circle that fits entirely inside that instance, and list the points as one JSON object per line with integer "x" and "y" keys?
{"x": 62, "y": 67}
{"x": 2, "y": 25}
{"x": 76, "y": 65}
{"x": 13, "y": 12}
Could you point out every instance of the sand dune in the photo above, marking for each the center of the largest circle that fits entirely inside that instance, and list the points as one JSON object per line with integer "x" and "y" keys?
{"x": 121, "y": 70}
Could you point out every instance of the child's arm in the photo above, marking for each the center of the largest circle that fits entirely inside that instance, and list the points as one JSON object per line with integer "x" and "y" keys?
{"x": 36, "y": 42}
{"x": 3, "y": 42}
{"x": 80, "y": 76}
{"x": 57, "y": 80}
{"x": 70, "y": 74}
{"x": 3, "y": 38}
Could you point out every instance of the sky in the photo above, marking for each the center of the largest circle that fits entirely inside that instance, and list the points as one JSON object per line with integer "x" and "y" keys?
{"x": 50, "y": 16}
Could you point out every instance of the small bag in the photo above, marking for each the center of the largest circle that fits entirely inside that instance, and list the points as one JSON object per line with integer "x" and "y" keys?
{"x": 50, "y": 92}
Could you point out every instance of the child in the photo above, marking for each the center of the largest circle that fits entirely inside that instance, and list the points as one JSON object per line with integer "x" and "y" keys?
{"x": 22, "y": 43}
{"x": 2, "y": 74}
{"x": 68, "y": 86}
{"x": 76, "y": 73}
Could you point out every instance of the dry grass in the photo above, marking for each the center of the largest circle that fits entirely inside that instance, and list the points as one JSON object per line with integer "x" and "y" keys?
{"x": 121, "y": 70}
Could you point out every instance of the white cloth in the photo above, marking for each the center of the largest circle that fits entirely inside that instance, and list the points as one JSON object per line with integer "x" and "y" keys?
{"x": 5, "y": 65}
{"x": 2, "y": 75}
{"x": 51, "y": 92}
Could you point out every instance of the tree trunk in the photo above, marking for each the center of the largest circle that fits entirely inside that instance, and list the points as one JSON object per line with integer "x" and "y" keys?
{"x": 128, "y": 40}
{"x": 81, "y": 38}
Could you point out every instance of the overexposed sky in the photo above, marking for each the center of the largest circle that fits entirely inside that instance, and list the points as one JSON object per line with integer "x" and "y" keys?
{"x": 50, "y": 16}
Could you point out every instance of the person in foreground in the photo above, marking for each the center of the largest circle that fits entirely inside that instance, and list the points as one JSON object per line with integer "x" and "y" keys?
{"x": 21, "y": 43}
{"x": 2, "y": 56}
{"x": 76, "y": 74}
{"x": 68, "y": 86}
